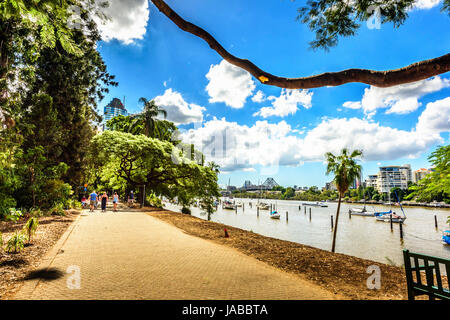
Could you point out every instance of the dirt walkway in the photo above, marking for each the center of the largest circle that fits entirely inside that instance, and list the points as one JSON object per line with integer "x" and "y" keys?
{"x": 131, "y": 255}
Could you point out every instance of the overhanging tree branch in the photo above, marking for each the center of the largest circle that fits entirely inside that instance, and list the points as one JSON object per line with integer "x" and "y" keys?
{"x": 414, "y": 72}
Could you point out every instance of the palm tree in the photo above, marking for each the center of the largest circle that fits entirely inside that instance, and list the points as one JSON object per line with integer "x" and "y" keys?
{"x": 345, "y": 170}
{"x": 148, "y": 115}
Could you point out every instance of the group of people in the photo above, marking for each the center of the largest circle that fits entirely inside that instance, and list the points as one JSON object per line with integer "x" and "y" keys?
{"x": 95, "y": 198}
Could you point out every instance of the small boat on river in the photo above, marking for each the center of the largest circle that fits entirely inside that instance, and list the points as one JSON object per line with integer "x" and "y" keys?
{"x": 228, "y": 205}
{"x": 446, "y": 237}
{"x": 263, "y": 206}
{"x": 274, "y": 215}
{"x": 315, "y": 204}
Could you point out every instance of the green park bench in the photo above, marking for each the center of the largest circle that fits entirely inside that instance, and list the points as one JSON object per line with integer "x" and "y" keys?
{"x": 431, "y": 265}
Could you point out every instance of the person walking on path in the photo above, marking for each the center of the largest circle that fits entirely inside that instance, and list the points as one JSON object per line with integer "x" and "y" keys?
{"x": 115, "y": 201}
{"x": 104, "y": 201}
{"x": 93, "y": 201}
{"x": 131, "y": 199}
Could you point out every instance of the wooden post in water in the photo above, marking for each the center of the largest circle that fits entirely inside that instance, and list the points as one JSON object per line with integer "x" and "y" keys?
{"x": 287, "y": 216}
{"x": 332, "y": 222}
{"x": 390, "y": 218}
{"x": 257, "y": 211}
{"x": 349, "y": 214}
{"x": 305, "y": 209}
{"x": 401, "y": 230}
{"x": 270, "y": 208}
{"x": 309, "y": 214}
{"x": 299, "y": 208}
{"x": 435, "y": 221}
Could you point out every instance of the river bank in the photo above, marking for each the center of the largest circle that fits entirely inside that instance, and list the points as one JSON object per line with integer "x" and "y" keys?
{"x": 338, "y": 273}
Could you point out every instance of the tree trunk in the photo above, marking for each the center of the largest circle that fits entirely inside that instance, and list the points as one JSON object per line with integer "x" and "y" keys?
{"x": 336, "y": 224}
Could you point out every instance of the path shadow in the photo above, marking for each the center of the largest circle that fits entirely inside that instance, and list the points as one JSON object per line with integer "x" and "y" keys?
{"x": 45, "y": 274}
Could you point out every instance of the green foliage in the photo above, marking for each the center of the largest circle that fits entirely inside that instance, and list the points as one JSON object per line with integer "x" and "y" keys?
{"x": 344, "y": 168}
{"x": 154, "y": 201}
{"x": 57, "y": 210}
{"x": 289, "y": 193}
{"x": 30, "y": 228}
{"x": 147, "y": 117}
{"x": 16, "y": 243}
{"x": 436, "y": 185}
{"x": 13, "y": 215}
{"x": 133, "y": 160}
{"x": 1, "y": 240}
{"x": 36, "y": 212}
{"x": 74, "y": 204}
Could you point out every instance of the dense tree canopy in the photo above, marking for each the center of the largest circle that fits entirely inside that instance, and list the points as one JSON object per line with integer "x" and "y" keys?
{"x": 436, "y": 185}
{"x": 129, "y": 161}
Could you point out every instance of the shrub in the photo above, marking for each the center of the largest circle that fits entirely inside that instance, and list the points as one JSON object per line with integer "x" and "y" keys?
{"x": 6, "y": 203}
{"x": 57, "y": 210}
{"x": 56, "y": 192}
{"x": 36, "y": 212}
{"x": 30, "y": 227}
{"x": 74, "y": 204}
{"x": 154, "y": 201}
{"x": 1, "y": 239}
{"x": 13, "y": 215}
{"x": 185, "y": 210}
{"x": 16, "y": 243}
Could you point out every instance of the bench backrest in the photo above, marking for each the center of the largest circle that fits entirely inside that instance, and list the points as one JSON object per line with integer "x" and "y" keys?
{"x": 431, "y": 265}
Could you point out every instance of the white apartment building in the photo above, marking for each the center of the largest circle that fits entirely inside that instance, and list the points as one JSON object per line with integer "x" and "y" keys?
{"x": 393, "y": 177}
{"x": 371, "y": 181}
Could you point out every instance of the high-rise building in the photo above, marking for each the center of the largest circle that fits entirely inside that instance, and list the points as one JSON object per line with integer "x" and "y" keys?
{"x": 113, "y": 109}
{"x": 393, "y": 177}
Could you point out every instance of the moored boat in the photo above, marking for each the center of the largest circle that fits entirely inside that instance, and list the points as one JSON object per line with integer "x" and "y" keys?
{"x": 228, "y": 205}
{"x": 361, "y": 212}
{"x": 274, "y": 215}
{"x": 387, "y": 217}
{"x": 315, "y": 204}
{"x": 446, "y": 237}
{"x": 263, "y": 206}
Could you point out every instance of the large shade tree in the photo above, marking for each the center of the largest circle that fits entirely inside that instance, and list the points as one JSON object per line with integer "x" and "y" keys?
{"x": 127, "y": 160}
{"x": 345, "y": 169}
{"x": 331, "y": 19}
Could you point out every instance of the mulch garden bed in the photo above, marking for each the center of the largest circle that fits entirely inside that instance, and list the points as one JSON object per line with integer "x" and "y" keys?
{"x": 15, "y": 267}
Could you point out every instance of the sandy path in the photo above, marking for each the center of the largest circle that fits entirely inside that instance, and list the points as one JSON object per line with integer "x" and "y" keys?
{"x": 131, "y": 255}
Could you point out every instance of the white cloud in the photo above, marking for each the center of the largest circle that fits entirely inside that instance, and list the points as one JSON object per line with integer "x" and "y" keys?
{"x": 352, "y": 105}
{"x": 240, "y": 147}
{"x": 435, "y": 118}
{"x": 287, "y": 103}
{"x": 426, "y": 4}
{"x": 178, "y": 110}
{"x": 128, "y": 20}
{"x": 401, "y": 99}
{"x": 259, "y": 97}
{"x": 229, "y": 84}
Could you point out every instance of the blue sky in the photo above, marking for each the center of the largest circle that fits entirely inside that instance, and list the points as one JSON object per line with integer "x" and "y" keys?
{"x": 290, "y": 131}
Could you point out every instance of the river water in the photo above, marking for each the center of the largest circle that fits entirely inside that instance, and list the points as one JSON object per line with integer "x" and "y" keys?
{"x": 363, "y": 237}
